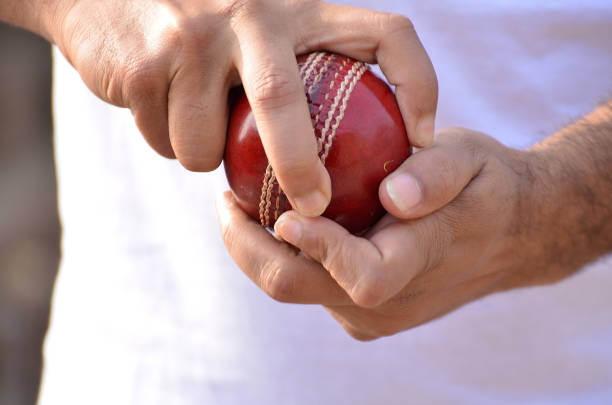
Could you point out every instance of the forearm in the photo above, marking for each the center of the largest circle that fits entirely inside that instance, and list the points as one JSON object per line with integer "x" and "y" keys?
{"x": 33, "y": 15}
{"x": 572, "y": 178}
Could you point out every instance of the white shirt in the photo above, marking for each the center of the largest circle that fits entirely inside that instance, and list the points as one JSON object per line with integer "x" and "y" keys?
{"x": 150, "y": 309}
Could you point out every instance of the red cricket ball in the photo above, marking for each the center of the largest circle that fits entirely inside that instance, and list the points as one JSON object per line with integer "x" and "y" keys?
{"x": 360, "y": 134}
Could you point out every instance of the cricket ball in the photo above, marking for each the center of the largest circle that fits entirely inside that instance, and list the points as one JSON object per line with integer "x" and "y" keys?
{"x": 360, "y": 136}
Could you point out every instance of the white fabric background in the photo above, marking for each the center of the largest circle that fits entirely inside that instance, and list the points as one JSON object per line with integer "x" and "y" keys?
{"x": 149, "y": 308}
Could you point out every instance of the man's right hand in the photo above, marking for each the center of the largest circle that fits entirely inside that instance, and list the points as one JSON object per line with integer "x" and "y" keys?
{"x": 173, "y": 63}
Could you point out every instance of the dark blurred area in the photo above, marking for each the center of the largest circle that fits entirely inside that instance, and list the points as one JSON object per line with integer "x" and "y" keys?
{"x": 29, "y": 229}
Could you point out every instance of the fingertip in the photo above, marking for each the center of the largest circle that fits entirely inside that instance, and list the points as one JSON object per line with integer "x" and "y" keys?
{"x": 300, "y": 172}
{"x": 152, "y": 122}
{"x": 168, "y": 153}
{"x": 275, "y": 91}
{"x": 162, "y": 147}
{"x": 307, "y": 187}
{"x": 401, "y": 194}
{"x": 432, "y": 178}
{"x": 289, "y": 228}
{"x": 312, "y": 204}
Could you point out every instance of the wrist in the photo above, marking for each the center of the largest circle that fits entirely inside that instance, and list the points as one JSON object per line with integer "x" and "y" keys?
{"x": 526, "y": 249}
{"x": 49, "y": 18}
{"x": 566, "y": 209}
{"x": 547, "y": 219}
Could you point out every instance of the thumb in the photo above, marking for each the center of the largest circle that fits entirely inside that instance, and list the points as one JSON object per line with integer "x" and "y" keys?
{"x": 433, "y": 177}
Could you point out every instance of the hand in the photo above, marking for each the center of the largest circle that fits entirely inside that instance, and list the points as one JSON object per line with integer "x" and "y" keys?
{"x": 173, "y": 63}
{"x": 457, "y": 230}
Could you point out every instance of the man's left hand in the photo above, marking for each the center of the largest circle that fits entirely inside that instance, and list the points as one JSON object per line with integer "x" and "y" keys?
{"x": 455, "y": 232}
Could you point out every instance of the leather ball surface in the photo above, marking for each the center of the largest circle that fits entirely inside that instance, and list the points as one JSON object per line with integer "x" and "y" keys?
{"x": 360, "y": 135}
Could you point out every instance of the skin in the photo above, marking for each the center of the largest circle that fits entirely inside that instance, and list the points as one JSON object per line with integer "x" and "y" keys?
{"x": 484, "y": 218}
{"x": 493, "y": 219}
{"x": 173, "y": 63}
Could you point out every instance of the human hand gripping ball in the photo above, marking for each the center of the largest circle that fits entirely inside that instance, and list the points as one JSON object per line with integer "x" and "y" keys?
{"x": 361, "y": 138}
{"x": 174, "y": 62}
{"x": 453, "y": 234}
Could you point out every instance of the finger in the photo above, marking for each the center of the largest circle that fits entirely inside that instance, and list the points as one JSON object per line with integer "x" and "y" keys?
{"x": 149, "y": 106}
{"x": 391, "y": 41}
{"x": 270, "y": 76}
{"x": 352, "y": 330}
{"x": 369, "y": 324}
{"x": 433, "y": 177}
{"x": 370, "y": 271}
{"x": 197, "y": 115}
{"x": 275, "y": 267}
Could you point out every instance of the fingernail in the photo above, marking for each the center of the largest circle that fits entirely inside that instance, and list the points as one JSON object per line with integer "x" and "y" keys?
{"x": 311, "y": 205}
{"x": 289, "y": 229}
{"x": 424, "y": 135}
{"x": 405, "y": 192}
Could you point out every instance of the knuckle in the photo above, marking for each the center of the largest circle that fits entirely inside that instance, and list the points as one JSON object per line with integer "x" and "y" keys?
{"x": 397, "y": 24}
{"x": 406, "y": 299}
{"x": 372, "y": 327}
{"x": 448, "y": 135}
{"x": 445, "y": 226}
{"x": 474, "y": 144}
{"x": 294, "y": 174}
{"x": 273, "y": 88}
{"x": 185, "y": 34}
{"x": 331, "y": 253}
{"x": 171, "y": 34}
{"x": 240, "y": 9}
{"x": 140, "y": 82}
{"x": 427, "y": 91}
{"x": 277, "y": 284}
{"x": 460, "y": 137}
{"x": 337, "y": 254}
{"x": 384, "y": 329}
{"x": 360, "y": 336}
{"x": 371, "y": 289}
{"x": 447, "y": 172}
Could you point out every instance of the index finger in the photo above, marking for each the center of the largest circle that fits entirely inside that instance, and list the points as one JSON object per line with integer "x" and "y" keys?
{"x": 272, "y": 82}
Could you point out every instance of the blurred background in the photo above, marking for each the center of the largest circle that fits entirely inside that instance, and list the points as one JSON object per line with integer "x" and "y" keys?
{"x": 29, "y": 229}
